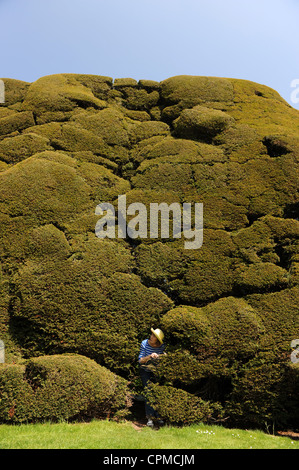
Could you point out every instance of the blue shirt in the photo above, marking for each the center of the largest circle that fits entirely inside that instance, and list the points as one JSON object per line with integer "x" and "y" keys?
{"x": 146, "y": 349}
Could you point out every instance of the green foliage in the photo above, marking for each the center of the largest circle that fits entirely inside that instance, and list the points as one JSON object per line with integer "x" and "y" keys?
{"x": 179, "y": 407}
{"x": 192, "y": 90}
{"x": 263, "y": 276}
{"x": 263, "y": 109}
{"x": 180, "y": 368}
{"x": 194, "y": 276}
{"x": 240, "y": 142}
{"x": 16, "y": 395}
{"x": 146, "y": 130}
{"x": 125, "y": 82}
{"x": 109, "y": 124}
{"x": 16, "y": 148}
{"x": 229, "y": 310}
{"x": 140, "y": 99}
{"x": 15, "y": 91}
{"x": 98, "y": 84}
{"x": 16, "y": 122}
{"x": 61, "y": 92}
{"x": 81, "y": 305}
{"x": 168, "y": 149}
{"x": 57, "y": 191}
{"x": 279, "y": 314}
{"x": 57, "y": 387}
{"x": 264, "y": 394}
{"x": 188, "y": 325}
{"x": 228, "y": 328}
{"x": 73, "y": 138}
{"x": 201, "y": 123}
{"x": 237, "y": 328}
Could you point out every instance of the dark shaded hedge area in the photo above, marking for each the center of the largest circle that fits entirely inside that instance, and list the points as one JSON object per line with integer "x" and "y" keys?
{"x": 74, "y": 308}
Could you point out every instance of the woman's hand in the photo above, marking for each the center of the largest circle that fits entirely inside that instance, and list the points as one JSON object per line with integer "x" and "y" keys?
{"x": 154, "y": 356}
{"x": 143, "y": 360}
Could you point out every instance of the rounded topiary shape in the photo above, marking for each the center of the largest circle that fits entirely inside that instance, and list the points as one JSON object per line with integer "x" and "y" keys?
{"x": 189, "y": 326}
{"x": 74, "y": 138}
{"x": 100, "y": 85}
{"x": 170, "y": 149}
{"x": 189, "y": 90}
{"x": 179, "y": 367}
{"x": 194, "y": 276}
{"x": 15, "y": 90}
{"x": 208, "y": 272}
{"x": 109, "y": 124}
{"x": 59, "y": 387}
{"x": 73, "y": 386}
{"x": 227, "y": 329}
{"x": 58, "y": 92}
{"x": 166, "y": 175}
{"x": 241, "y": 142}
{"x": 158, "y": 263}
{"x": 262, "y": 277}
{"x": 55, "y": 191}
{"x": 45, "y": 241}
{"x": 139, "y": 99}
{"x": 201, "y": 123}
{"x": 237, "y": 328}
{"x": 147, "y": 129}
{"x": 19, "y": 147}
{"x": 16, "y": 122}
{"x": 180, "y": 407}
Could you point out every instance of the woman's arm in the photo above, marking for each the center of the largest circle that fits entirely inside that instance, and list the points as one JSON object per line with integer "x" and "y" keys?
{"x": 142, "y": 358}
{"x": 145, "y": 359}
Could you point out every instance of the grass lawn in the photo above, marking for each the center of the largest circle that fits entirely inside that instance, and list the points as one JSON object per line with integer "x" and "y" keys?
{"x": 111, "y": 435}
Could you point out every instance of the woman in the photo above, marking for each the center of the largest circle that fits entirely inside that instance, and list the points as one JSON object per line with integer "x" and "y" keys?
{"x": 150, "y": 350}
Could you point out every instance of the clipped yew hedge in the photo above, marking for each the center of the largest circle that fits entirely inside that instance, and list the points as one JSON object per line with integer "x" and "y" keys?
{"x": 60, "y": 387}
{"x": 265, "y": 394}
{"x": 179, "y": 407}
{"x": 16, "y": 395}
{"x": 229, "y": 310}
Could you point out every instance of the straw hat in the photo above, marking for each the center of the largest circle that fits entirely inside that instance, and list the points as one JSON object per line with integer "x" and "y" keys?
{"x": 159, "y": 334}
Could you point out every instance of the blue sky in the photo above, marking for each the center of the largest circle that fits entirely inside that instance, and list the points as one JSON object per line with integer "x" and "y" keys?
{"x": 154, "y": 39}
